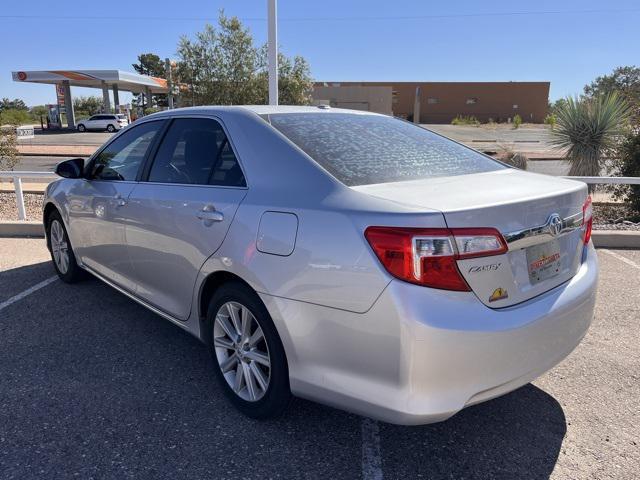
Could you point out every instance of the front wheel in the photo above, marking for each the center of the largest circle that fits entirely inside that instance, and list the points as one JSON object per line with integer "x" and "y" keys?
{"x": 81, "y": 128}
{"x": 111, "y": 128}
{"x": 64, "y": 260}
{"x": 248, "y": 357}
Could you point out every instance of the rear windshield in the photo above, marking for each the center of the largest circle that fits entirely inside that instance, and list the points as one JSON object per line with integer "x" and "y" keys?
{"x": 367, "y": 149}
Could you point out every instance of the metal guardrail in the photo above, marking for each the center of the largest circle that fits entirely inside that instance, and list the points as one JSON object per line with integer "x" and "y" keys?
{"x": 17, "y": 185}
{"x": 18, "y": 176}
{"x": 607, "y": 180}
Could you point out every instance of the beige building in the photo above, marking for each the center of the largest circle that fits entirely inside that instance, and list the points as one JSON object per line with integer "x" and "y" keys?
{"x": 373, "y": 99}
{"x": 441, "y": 102}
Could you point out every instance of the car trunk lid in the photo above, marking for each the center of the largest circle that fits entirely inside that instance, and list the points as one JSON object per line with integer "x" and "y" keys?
{"x": 522, "y": 206}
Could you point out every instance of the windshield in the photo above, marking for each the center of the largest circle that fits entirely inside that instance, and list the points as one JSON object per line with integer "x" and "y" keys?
{"x": 368, "y": 149}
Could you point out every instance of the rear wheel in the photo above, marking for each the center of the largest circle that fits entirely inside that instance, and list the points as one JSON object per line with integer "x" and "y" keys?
{"x": 64, "y": 260}
{"x": 111, "y": 128}
{"x": 248, "y": 357}
{"x": 82, "y": 128}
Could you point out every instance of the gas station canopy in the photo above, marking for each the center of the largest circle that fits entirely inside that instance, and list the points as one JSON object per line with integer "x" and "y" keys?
{"x": 103, "y": 79}
{"x": 131, "y": 82}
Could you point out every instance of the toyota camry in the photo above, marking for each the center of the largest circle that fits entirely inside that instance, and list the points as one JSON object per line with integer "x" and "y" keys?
{"x": 346, "y": 257}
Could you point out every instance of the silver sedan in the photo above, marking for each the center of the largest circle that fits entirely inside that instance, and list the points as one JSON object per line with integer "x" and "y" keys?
{"x": 341, "y": 256}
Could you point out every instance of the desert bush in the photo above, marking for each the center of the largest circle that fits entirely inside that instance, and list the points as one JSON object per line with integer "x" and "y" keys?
{"x": 550, "y": 120}
{"x": 15, "y": 117}
{"x": 628, "y": 165}
{"x": 515, "y": 159}
{"x": 8, "y": 151}
{"x": 517, "y": 121}
{"x": 465, "y": 120}
{"x": 588, "y": 128}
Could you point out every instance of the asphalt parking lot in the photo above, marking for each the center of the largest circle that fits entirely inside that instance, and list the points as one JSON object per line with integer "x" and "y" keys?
{"x": 94, "y": 386}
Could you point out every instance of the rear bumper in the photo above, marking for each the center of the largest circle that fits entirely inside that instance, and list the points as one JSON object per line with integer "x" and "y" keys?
{"x": 420, "y": 355}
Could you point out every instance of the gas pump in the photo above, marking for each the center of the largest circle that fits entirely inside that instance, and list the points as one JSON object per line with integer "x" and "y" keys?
{"x": 54, "y": 119}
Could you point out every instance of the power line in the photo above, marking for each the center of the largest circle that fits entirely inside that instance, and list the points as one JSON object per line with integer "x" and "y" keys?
{"x": 327, "y": 19}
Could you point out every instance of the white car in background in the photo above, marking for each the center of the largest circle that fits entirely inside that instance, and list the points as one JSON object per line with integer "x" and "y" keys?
{"x": 342, "y": 256}
{"x": 104, "y": 121}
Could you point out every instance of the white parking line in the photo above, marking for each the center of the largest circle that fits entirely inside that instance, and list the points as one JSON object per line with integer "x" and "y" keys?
{"x": 621, "y": 258}
{"x": 371, "y": 457}
{"x": 28, "y": 291}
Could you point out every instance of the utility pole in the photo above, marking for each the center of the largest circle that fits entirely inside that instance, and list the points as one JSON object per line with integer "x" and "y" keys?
{"x": 273, "y": 53}
{"x": 167, "y": 69}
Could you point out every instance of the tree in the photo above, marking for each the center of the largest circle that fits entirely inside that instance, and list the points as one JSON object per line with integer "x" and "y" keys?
{"x": 149, "y": 64}
{"x": 221, "y": 66}
{"x": 39, "y": 111}
{"x": 15, "y": 104}
{"x": 588, "y": 128}
{"x": 87, "y": 106}
{"x": 623, "y": 80}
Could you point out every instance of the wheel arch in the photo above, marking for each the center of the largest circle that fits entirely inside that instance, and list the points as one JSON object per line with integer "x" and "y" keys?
{"x": 212, "y": 282}
{"x": 49, "y": 208}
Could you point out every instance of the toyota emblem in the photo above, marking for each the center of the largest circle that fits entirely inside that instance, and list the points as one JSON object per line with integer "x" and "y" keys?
{"x": 555, "y": 224}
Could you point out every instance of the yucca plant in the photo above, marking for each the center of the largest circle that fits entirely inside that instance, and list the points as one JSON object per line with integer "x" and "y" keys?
{"x": 588, "y": 128}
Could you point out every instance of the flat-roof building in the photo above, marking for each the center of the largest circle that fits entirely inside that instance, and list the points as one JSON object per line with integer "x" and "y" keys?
{"x": 441, "y": 102}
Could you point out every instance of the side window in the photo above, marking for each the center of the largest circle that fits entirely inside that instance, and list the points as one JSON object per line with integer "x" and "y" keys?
{"x": 122, "y": 158}
{"x": 196, "y": 151}
{"x": 94, "y": 117}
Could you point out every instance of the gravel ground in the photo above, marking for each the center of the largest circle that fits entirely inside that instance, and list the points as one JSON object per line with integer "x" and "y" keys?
{"x": 606, "y": 216}
{"x": 614, "y": 216}
{"x": 32, "y": 203}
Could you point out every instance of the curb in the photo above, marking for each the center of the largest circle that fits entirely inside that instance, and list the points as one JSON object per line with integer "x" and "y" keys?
{"x": 57, "y": 154}
{"x": 616, "y": 239}
{"x": 21, "y": 229}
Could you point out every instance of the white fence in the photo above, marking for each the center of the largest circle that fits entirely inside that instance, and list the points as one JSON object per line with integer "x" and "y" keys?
{"x": 17, "y": 185}
{"x": 18, "y": 176}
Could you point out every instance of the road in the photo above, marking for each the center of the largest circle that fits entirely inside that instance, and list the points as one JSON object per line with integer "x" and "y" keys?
{"x": 57, "y": 137}
{"x": 94, "y": 386}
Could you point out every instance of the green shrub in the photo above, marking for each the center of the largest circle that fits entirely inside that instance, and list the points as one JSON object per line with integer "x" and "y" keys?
{"x": 628, "y": 165}
{"x": 550, "y": 120}
{"x": 15, "y": 117}
{"x": 517, "y": 121}
{"x": 465, "y": 120}
{"x": 8, "y": 151}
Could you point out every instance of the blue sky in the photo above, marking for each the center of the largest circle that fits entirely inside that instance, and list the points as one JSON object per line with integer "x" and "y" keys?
{"x": 463, "y": 40}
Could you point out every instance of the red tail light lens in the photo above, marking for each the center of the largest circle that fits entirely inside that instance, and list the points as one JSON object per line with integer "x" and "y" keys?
{"x": 587, "y": 220}
{"x": 427, "y": 256}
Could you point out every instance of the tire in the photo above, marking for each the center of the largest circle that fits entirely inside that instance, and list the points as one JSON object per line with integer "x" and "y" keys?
{"x": 111, "y": 128}
{"x": 82, "y": 128}
{"x": 62, "y": 256}
{"x": 250, "y": 349}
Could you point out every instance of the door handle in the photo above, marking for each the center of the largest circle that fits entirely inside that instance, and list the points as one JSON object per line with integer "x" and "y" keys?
{"x": 209, "y": 214}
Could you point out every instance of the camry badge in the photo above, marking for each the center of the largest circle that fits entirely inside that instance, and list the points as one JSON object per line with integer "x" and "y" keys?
{"x": 554, "y": 224}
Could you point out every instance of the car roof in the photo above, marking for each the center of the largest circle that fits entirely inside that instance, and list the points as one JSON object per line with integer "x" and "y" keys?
{"x": 263, "y": 109}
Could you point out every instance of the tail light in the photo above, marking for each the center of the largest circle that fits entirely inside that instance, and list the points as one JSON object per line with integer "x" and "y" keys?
{"x": 587, "y": 220}
{"x": 427, "y": 256}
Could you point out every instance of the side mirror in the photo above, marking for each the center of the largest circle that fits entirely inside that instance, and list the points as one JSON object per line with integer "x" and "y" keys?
{"x": 70, "y": 168}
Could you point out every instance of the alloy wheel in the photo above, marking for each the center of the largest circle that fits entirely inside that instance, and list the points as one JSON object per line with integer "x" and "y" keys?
{"x": 59, "y": 247}
{"x": 242, "y": 352}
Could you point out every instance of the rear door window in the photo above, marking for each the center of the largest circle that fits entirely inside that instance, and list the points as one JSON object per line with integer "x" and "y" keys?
{"x": 196, "y": 151}
{"x": 368, "y": 149}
